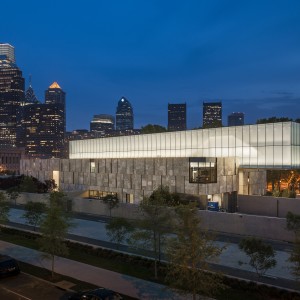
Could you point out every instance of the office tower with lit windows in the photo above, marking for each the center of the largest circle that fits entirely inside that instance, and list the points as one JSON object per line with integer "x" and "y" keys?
{"x": 55, "y": 95}
{"x": 212, "y": 114}
{"x": 42, "y": 130}
{"x": 11, "y": 96}
{"x": 8, "y": 51}
{"x": 102, "y": 125}
{"x": 124, "y": 116}
{"x": 236, "y": 119}
{"x": 176, "y": 117}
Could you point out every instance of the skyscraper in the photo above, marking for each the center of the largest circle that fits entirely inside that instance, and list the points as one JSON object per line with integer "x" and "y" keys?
{"x": 55, "y": 95}
{"x": 236, "y": 119}
{"x": 124, "y": 115}
{"x": 9, "y": 51}
{"x": 42, "y": 130}
{"x": 176, "y": 116}
{"x": 30, "y": 95}
{"x": 102, "y": 125}
{"x": 11, "y": 96}
{"x": 212, "y": 114}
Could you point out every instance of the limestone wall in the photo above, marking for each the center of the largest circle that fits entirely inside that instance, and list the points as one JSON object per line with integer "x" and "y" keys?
{"x": 138, "y": 177}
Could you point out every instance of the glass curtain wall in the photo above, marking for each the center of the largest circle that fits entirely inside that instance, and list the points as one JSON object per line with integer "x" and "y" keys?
{"x": 274, "y": 145}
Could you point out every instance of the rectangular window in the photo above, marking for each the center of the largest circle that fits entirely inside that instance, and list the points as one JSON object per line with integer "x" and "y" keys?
{"x": 129, "y": 198}
{"x": 92, "y": 166}
{"x": 203, "y": 169}
{"x": 95, "y": 194}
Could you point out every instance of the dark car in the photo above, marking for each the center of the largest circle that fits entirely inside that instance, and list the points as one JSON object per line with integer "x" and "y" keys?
{"x": 8, "y": 266}
{"x": 97, "y": 294}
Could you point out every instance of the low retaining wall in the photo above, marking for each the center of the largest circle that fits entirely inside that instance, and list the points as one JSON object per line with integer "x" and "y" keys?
{"x": 97, "y": 207}
{"x": 247, "y": 225}
{"x": 25, "y": 197}
{"x": 273, "y": 228}
{"x": 268, "y": 205}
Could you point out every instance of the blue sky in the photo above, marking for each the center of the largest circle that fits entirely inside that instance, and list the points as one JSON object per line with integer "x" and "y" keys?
{"x": 243, "y": 53}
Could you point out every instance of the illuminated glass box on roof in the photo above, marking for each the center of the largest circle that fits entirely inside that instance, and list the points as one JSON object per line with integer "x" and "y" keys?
{"x": 273, "y": 145}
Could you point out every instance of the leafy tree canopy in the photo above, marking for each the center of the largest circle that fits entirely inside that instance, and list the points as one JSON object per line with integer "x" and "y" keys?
{"x": 261, "y": 254}
{"x": 189, "y": 252}
{"x": 34, "y": 212}
{"x": 273, "y": 120}
{"x": 152, "y": 128}
{"x": 4, "y": 208}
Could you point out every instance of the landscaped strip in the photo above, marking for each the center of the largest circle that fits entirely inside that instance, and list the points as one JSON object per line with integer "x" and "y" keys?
{"x": 137, "y": 267}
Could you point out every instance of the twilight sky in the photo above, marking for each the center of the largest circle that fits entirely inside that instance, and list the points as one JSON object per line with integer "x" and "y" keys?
{"x": 243, "y": 53}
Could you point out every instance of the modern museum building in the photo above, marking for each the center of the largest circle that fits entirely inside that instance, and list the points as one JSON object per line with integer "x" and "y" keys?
{"x": 212, "y": 164}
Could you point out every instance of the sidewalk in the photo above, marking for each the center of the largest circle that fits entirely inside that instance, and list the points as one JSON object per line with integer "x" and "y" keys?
{"x": 123, "y": 284}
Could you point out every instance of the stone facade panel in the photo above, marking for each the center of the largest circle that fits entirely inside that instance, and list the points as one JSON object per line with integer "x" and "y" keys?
{"x": 112, "y": 180}
{"x": 108, "y": 165}
{"x": 129, "y": 166}
{"x": 160, "y": 166}
{"x": 156, "y": 181}
{"x": 101, "y": 166}
{"x": 114, "y": 165}
{"x": 137, "y": 181}
{"x": 179, "y": 184}
{"x": 122, "y": 166}
{"x": 127, "y": 181}
{"x": 139, "y": 166}
{"x": 149, "y": 166}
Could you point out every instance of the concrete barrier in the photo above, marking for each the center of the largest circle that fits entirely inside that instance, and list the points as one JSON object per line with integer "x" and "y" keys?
{"x": 272, "y": 228}
{"x": 268, "y": 205}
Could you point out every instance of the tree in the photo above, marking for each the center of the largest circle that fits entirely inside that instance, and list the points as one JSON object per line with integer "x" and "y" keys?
{"x": 189, "y": 252}
{"x": 51, "y": 185}
{"x": 293, "y": 222}
{"x": 261, "y": 254}
{"x": 4, "y": 208}
{"x": 155, "y": 224}
{"x": 111, "y": 201}
{"x": 273, "y": 120}
{"x": 34, "y": 212}
{"x": 54, "y": 228}
{"x": 28, "y": 185}
{"x": 13, "y": 194}
{"x": 152, "y": 128}
{"x": 118, "y": 230}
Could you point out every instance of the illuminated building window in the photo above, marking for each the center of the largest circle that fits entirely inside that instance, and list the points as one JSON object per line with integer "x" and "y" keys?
{"x": 203, "y": 169}
{"x": 92, "y": 166}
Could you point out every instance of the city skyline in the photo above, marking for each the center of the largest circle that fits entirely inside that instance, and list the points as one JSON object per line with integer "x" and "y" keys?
{"x": 243, "y": 54}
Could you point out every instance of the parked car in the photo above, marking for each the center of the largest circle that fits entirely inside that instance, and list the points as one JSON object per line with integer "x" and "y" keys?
{"x": 8, "y": 266}
{"x": 96, "y": 294}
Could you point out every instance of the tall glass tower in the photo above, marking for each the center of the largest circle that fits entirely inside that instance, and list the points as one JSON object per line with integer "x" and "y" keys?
{"x": 11, "y": 96}
{"x": 176, "y": 116}
{"x": 124, "y": 115}
{"x": 9, "y": 51}
{"x": 212, "y": 114}
{"x": 55, "y": 95}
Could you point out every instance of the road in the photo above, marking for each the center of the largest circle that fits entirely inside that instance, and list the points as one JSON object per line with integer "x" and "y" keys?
{"x": 27, "y": 287}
